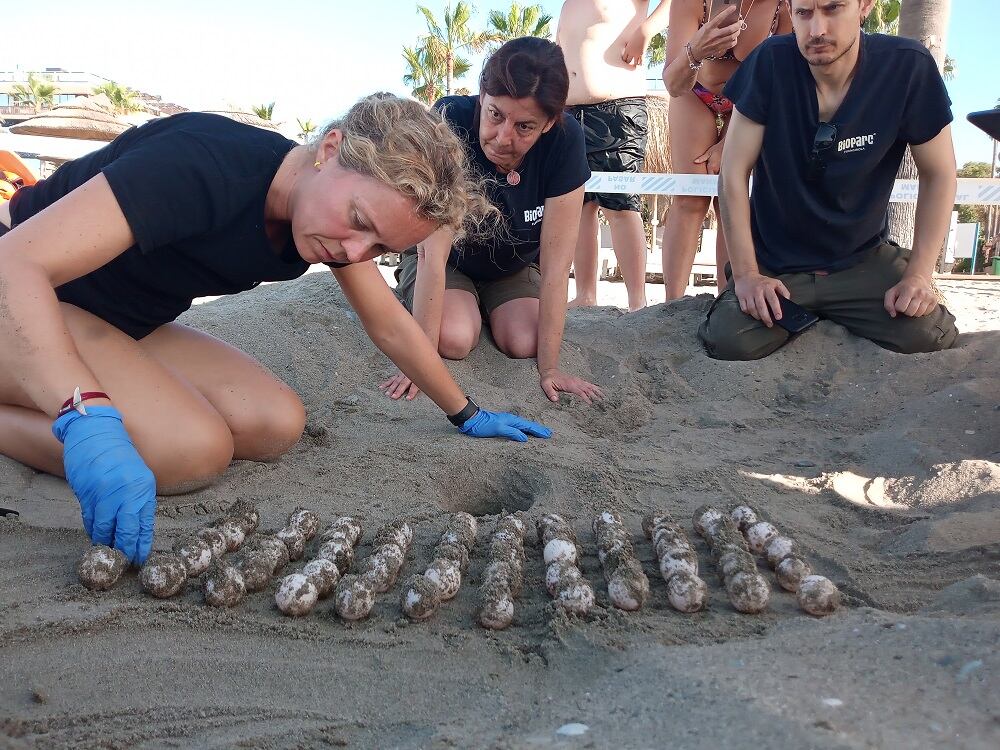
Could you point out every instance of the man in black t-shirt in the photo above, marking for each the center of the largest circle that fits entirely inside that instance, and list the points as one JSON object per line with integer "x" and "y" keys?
{"x": 823, "y": 118}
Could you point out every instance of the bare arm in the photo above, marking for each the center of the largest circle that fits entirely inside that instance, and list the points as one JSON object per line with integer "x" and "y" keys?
{"x": 81, "y": 232}
{"x": 638, "y": 40}
{"x": 560, "y": 228}
{"x": 936, "y": 173}
{"x": 714, "y": 38}
{"x": 757, "y": 294}
{"x": 428, "y": 290}
{"x": 395, "y": 332}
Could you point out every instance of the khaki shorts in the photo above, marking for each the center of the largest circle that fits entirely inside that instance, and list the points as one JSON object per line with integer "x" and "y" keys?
{"x": 526, "y": 283}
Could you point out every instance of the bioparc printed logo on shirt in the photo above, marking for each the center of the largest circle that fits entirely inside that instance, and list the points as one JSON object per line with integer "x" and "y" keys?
{"x": 533, "y": 215}
{"x": 856, "y": 143}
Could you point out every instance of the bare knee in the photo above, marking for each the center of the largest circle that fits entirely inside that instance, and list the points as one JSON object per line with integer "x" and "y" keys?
{"x": 690, "y": 205}
{"x": 457, "y": 340}
{"x": 273, "y": 426}
{"x": 517, "y": 344}
{"x": 206, "y": 452}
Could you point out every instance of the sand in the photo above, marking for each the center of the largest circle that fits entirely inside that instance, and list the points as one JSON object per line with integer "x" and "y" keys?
{"x": 885, "y": 468}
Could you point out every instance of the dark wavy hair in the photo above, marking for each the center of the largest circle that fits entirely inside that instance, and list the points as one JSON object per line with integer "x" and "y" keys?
{"x": 528, "y": 66}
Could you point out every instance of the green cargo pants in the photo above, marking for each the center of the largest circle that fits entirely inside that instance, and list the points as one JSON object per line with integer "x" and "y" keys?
{"x": 854, "y": 298}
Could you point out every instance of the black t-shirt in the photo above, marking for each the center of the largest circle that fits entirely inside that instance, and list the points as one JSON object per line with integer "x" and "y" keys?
{"x": 192, "y": 188}
{"x": 555, "y": 165}
{"x": 897, "y": 98}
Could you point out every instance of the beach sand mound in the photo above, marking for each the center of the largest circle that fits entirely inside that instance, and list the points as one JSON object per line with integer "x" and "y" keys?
{"x": 883, "y": 467}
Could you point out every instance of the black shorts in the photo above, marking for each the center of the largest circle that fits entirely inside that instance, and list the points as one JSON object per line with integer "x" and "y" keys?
{"x": 615, "y": 131}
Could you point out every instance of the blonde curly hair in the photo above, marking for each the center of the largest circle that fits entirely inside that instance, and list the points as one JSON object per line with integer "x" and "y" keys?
{"x": 409, "y": 147}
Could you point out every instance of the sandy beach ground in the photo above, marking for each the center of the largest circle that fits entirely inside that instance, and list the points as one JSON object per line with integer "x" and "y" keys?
{"x": 885, "y": 468}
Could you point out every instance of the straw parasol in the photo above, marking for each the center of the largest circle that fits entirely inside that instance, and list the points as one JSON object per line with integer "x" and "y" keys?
{"x": 657, "y": 151}
{"x": 83, "y": 118}
{"x": 246, "y": 118}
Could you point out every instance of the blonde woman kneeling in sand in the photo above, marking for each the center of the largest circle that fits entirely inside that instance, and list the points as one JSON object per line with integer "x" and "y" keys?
{"x": 107, "y": 252}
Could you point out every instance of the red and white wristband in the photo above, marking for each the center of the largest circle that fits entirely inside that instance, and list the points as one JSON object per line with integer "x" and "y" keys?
{"x": 75, "y": 402}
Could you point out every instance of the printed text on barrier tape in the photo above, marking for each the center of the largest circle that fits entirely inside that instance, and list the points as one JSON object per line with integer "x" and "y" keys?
{"x": 970, "y": 190}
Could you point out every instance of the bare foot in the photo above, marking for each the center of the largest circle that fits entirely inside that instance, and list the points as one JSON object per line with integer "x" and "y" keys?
{"x": 582, "y": 302}
{"x": 634, "y": 309}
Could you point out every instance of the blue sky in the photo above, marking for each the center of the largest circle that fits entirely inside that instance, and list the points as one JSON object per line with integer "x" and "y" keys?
{"x": 315, "y": 57}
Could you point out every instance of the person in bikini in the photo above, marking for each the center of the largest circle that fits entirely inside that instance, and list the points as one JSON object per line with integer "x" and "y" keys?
{"x": 705, "y": 47}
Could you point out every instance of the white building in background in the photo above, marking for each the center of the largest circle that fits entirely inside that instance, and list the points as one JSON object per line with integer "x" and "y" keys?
{"x": 69, "y": 84}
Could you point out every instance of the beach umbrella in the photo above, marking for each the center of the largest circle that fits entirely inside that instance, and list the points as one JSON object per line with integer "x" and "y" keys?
{"x": 246, "y": 118}
{"x": 82, "y": 118}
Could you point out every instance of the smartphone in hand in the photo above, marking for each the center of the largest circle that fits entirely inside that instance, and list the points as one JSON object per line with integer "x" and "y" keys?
{"x": 794, "y": 318}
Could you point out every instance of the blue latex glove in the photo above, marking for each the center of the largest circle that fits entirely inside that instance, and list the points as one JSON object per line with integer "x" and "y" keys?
{"x": 501, "y": 424}
{"x": 116, "y": 489}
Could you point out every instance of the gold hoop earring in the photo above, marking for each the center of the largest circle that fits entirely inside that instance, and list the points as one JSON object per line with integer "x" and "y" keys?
{"x": 317, "y": 165}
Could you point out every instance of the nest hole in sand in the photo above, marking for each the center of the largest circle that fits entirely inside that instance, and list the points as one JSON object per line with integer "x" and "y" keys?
{"x": 489, "y": 491}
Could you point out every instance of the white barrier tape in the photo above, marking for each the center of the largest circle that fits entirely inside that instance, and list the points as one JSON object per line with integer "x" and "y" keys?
{"x": 970, "y": 190}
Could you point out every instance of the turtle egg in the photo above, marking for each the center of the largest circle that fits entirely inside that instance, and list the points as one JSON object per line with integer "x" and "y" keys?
{"x": 446, "y": 575}
{"x": 350, "y": 527}
{"x": 354, "y": 597}
{"x": 338, "y": 551}
{"x": 575, "y": 596}
{"x": 257, "y": 571}
{"x": 606, "y": 518}
{"x": 324, "y": 575}
{"x": 215, "y": 538}
{"x": 563, "y": 531}
{"x": 628, "y": 588}
{"x": 163, "y": 575}
{"x": 420, "y": 598}
{"x": 778, "y": 548}
{"x": 818, "y": 595}
{"x": 744, "y": 516}
{"x": 748, "y": 591}
{"x": 245, "y": 514}
{"x": 512, "y": 524}
{"x": 377, "y": 570}
{"x": 512, "y": 552}
{"x": 233, "y": 532}
{"x": 686, "y": 592}
{"x": 465, "y": 521}
{"x": 790, "y": 573}
{"x": 651, "y": 521}
{"x": 100, "y": 567}
{"x": 294, "y": 539}
{"x": 559, "y": 550}
{"x": 671, "y": 565}
{"x": 507, "y": 536}
{"x": 196, "y": 554}
{"x": 498, "y": 572}
{"x": 397, "y": 532}
{"x": 455, "y": 552}
{"x": 549, "y": 519}
{"x": 557, "y": 573}
{"x": 297, "y": 595}
{"x": 759, "y": 535}
{"x": 734, "y": 559}
{"x": 223, "y": 585}
{"x": 274, "y": 550}
{"x": 496, "y": 607}
{"x": 305, "y": 521}
{"x": 458, "y": 536}
{"x": 706, "y": 518}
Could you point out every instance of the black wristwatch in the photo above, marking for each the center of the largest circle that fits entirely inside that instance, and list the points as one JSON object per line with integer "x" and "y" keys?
{"x": 470, "y": 410}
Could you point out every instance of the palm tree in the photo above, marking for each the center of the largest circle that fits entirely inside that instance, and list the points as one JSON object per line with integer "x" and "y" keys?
{"x": 263, "y": 111}
{"x": 518, "y": 22}
{"x": 36, "y": 94}
{"x": 657, "y": 52}
{"x": 306, "y": 128}
{"x": 884, "y": 18}
{"x": 425, "y": 74}
{"x": 446, "y": 42}
{"x": 123, "y": 99}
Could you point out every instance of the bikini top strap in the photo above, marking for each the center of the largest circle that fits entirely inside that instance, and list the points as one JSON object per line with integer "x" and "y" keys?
{"x": 774, "y": 21}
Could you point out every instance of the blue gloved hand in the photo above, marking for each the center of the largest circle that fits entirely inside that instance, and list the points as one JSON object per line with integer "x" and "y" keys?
{"x": 501, "y": 424}
{"x": 116, "y": 489}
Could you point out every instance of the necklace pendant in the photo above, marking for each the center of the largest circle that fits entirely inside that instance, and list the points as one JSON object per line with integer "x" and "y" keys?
{"x": 743, "y": 25}
{"x": 513, "y": 178}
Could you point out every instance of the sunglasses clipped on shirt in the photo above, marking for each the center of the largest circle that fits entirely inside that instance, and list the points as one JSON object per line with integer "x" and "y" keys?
{"x": 823, "y": 141}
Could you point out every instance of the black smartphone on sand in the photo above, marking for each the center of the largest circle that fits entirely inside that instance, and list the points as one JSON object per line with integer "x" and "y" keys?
{"x": 794, "y": 318}
{"x": 988, "y": 121}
